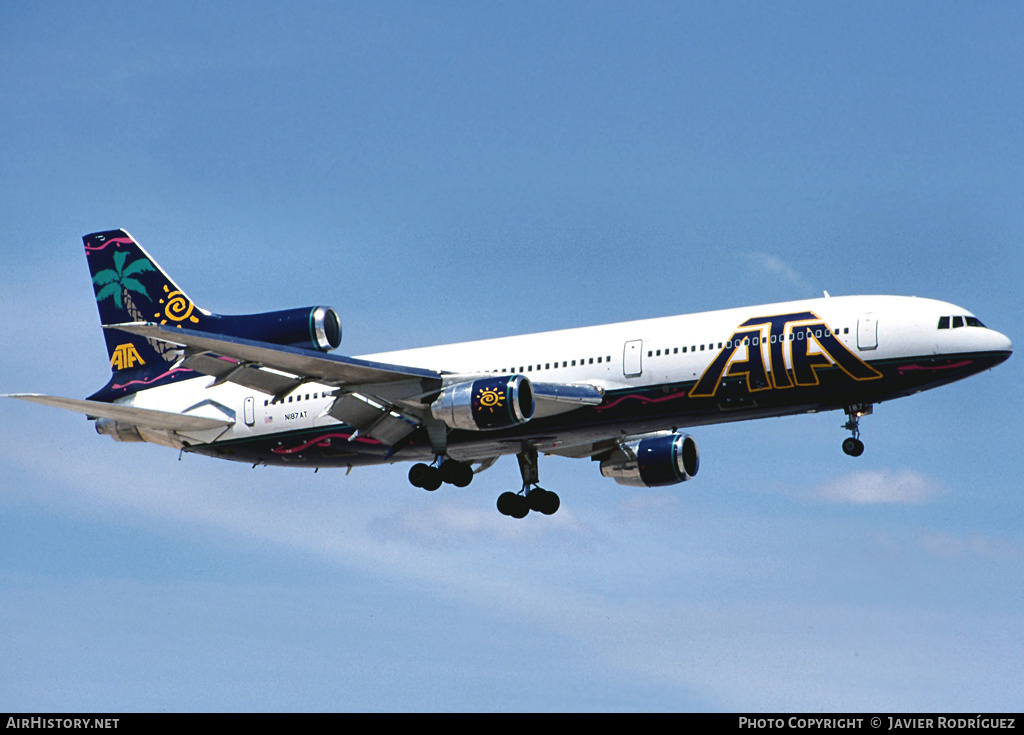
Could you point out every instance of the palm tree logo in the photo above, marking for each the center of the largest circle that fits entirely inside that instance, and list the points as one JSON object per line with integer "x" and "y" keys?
{"x": 119, "y": 282}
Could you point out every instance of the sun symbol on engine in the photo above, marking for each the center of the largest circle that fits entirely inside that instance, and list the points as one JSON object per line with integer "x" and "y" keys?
{"x": 490, "y": 398}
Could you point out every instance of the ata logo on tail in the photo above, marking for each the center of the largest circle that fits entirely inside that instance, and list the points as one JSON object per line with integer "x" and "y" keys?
{"x": 125, "y": 357}
{"x": 803, "y": 337}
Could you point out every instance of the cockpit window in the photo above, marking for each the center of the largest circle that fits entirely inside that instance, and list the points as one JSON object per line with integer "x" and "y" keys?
{"x": 952, "y": 322}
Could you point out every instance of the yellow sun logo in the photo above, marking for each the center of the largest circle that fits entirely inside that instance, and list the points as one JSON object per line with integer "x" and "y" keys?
{"x": 490, "y": 398}
{"x": 178, "y": 308}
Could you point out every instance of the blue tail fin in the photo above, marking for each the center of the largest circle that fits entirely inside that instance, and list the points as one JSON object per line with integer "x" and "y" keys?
{"x": 131, "y": 287}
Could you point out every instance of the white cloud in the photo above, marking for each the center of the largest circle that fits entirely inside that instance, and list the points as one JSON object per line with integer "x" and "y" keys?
{"x": 880, "y": 486}
{"x": 779, "y": 269}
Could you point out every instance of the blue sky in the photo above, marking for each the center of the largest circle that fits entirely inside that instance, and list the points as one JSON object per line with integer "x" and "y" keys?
{"x": 450, "y": 171}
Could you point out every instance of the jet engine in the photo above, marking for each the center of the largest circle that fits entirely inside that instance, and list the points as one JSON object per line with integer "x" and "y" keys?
{"x": 310, "y": 327}
{"x": 118, "y": 430}
{"x": 653, "y": 460}
{"x": 487, "y": 403}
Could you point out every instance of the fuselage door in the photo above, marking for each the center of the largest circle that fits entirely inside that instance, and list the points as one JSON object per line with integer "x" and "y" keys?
{"x": 250, "y": 411}
{"x": 867, "y": 332}
{"x": 632, "y": 358}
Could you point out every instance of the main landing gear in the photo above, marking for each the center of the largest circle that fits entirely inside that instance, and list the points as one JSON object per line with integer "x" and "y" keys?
{"x": 852, "y": 445}
{"x": 532, "y": 496}
{"x": 451, "y": 471}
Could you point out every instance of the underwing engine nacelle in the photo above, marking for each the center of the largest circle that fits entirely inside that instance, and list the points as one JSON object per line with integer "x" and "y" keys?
{"x": 487, "y": 403}
{"x": 653, "y": 460}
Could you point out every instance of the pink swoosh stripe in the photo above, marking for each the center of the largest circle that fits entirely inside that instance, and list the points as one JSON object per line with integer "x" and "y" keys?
{"x": 111, "y": 241}
{"x": 643, "y": 399}
{"x": 322, "y": 441}
{"x": 962, "y": 363}
{"x": 151, "y": 380}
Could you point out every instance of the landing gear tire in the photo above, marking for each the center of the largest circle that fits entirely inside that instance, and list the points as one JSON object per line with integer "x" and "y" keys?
{"x": 511, "y": 504}
{"x": 456, "y": 473}
{"x": 543, "y": 501}
{"x": 853, "y": 447}
{"x": 417, "y": 473}
{"x": 425, "y": 476}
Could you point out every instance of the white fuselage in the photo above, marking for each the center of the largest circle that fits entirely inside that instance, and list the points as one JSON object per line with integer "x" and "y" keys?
{"x": 612, "y": 357}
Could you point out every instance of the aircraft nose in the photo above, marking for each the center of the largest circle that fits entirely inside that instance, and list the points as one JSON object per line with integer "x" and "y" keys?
{"x": 999, "y": 344}
{"x": 1005, "y": 345}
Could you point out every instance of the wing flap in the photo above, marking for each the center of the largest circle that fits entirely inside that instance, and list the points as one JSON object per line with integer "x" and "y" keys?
{"x": 144, "y": 417}
{"x": 244, "y": 374}
{"x": 380, "y": 422}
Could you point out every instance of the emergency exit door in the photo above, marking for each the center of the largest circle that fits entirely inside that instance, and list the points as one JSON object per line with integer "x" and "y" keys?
{"x": 867, "y": 332}
{"x": 632, "y": 358}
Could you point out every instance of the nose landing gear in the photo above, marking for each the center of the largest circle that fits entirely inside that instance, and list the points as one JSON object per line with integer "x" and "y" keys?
{"x": 852, "y": 445}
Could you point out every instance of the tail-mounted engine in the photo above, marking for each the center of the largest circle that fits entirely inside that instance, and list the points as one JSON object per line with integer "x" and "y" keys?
{"x": 488, "y": 403}
{"x": 653, "y": 460}
{"x": 309, "y": 327}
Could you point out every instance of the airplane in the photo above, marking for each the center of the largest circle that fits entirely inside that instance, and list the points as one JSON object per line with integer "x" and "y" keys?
{"x": 264, "y": 388}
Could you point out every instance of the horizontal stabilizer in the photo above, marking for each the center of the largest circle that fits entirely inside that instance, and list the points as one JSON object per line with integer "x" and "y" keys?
{"x": 144, "y": 417}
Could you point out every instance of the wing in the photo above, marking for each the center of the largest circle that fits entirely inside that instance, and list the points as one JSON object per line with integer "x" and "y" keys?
{"x": 144, "y": 417}
{"x": 385, "y": 402}
{"x": 379, "y": 400}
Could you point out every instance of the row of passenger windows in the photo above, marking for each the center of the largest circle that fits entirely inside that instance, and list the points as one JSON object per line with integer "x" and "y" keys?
{"x": 774, "y": 338}
{"x": 952, "y": 322}
{"x": 298, "y": 397}
{"x": 651, "y": 353}
{"x": 552, "y": 365}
